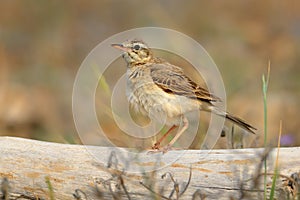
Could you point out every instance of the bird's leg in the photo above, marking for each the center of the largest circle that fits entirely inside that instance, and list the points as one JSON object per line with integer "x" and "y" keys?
{"x": 178, "y": 134}
{"x": 157, "y": 144}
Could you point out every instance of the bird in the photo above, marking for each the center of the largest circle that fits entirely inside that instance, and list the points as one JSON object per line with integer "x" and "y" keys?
{"x": 157, "y": 88}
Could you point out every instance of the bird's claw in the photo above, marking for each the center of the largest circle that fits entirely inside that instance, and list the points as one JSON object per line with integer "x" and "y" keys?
{"x": 156, "y": 146}
{"x": 156, "y": 149}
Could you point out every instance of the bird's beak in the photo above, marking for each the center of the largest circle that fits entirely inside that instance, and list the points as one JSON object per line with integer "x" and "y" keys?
{"x": 121, "y": 47}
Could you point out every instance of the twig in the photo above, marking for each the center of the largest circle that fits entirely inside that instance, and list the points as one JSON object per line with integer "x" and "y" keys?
{"x": 80, "y": 195}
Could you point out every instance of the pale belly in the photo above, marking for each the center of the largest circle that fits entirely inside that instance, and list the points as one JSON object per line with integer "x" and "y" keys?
{"x": 151, "y": 101}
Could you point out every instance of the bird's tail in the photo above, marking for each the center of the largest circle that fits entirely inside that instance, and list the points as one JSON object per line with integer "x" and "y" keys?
{"x": 241, "y": 123}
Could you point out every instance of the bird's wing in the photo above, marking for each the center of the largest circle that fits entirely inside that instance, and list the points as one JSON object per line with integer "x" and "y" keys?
{"x": 172, "y": 79}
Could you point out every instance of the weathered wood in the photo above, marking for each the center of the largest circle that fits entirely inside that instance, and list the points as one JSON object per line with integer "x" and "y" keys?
{"x": 216, "y": 174}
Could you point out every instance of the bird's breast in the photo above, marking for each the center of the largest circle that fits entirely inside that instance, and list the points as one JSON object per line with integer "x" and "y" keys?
{"x": 147, "y": 98}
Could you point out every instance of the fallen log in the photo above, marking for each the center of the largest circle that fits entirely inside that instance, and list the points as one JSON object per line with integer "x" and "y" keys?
{"x": 32, "y": 169}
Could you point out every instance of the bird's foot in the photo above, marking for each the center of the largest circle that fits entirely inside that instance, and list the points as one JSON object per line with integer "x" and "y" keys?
{"x": 156, "y": 146}
{"x": 157, "y": 149}
{"x": 167, "y": 148}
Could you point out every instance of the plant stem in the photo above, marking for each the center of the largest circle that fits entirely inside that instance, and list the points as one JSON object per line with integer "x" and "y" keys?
{"x": 265, "y": 89}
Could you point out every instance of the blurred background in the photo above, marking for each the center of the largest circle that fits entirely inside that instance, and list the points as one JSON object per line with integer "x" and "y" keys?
{"x": 43, "y": 43}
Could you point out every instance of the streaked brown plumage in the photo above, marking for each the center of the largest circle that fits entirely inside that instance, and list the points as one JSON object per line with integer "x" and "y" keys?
{"x": 155, "y": 87}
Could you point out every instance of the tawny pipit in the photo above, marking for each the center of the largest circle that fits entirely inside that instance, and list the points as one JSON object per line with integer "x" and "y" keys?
{"x": 161, "y": 90}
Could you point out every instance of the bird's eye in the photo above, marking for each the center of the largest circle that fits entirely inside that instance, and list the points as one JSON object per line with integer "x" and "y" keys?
{"x": 136, "y": 47}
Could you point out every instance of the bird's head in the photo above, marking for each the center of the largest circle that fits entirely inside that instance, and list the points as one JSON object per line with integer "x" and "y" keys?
{"x": 135, "y": 51}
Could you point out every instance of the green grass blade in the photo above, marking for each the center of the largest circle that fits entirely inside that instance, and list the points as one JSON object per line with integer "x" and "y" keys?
{"x": 265, "y": 89}
{"x": 50, "y": 188}
{"x": 272, "y": 193}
